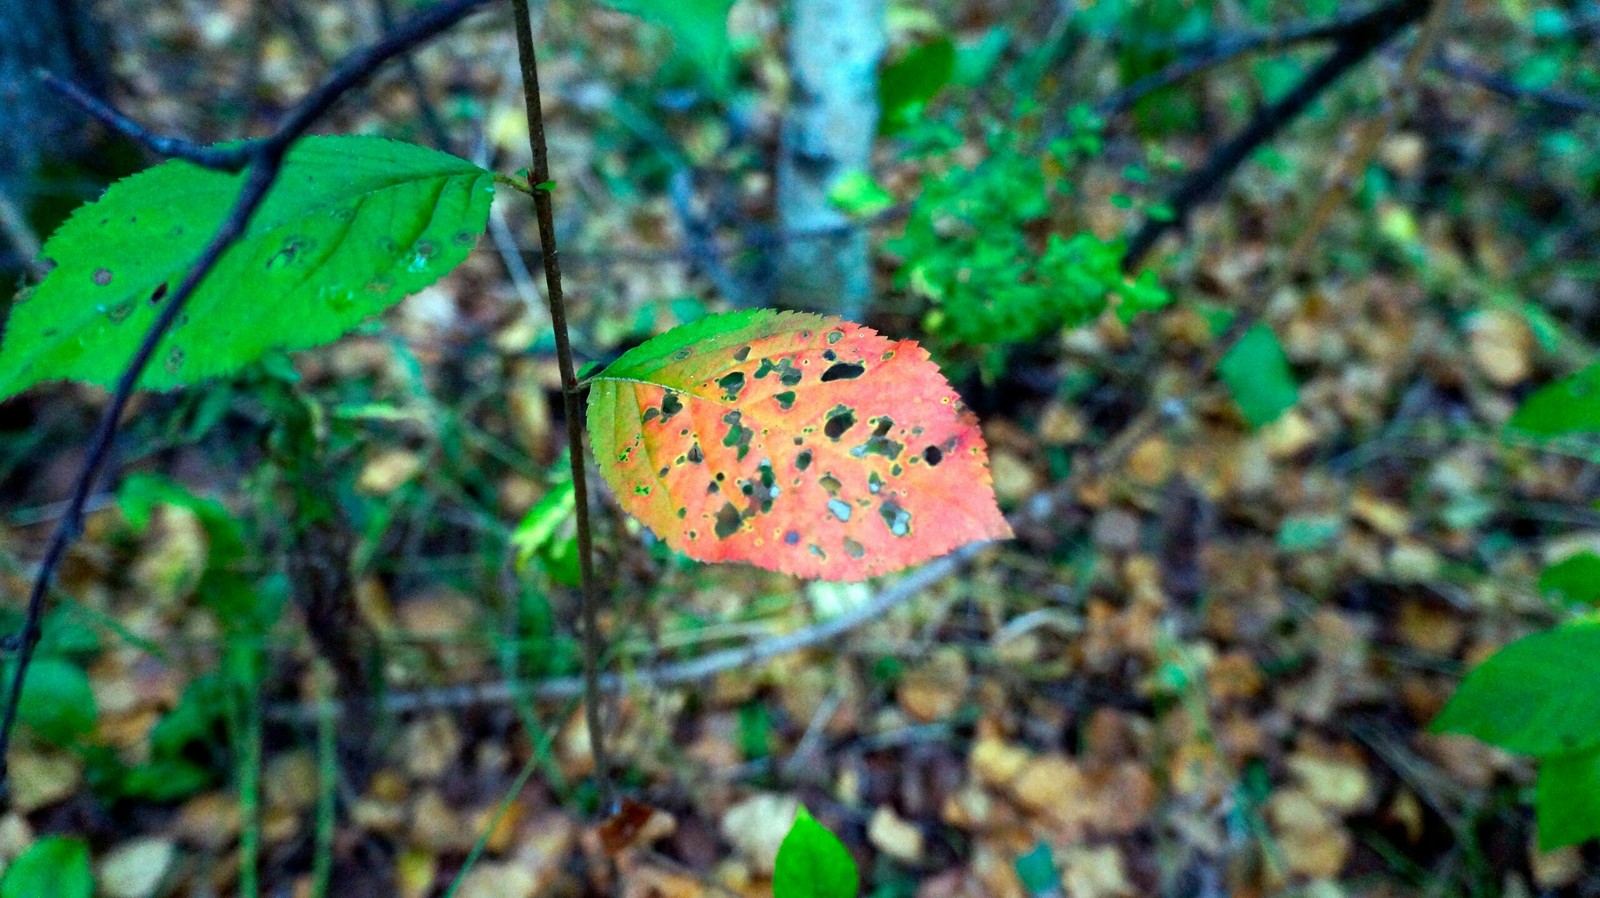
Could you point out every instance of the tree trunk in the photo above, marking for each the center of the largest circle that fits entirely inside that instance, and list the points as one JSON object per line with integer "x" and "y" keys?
{"x": 834, "y": 47}
{"x": 35, "y": 124}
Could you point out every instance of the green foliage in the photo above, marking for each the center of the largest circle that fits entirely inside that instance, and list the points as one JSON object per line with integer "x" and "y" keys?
{"x": 1574, "y": 579}
{"x": 699, "y": 28}
{"x": 548, "y": 534}
{"x": 1257, "y": 375}
{"x": 55, "y": 866}
{"x": 910, "y": 82}
{"x": 245, "y": 608}
{"x": 972, "y": 247}
{"x": 1567, "y": 407}
{"x": 1567, "y": 799}
{"x": 352, "y": 226}
{"x": 813, "y": 863}
{"x": 1537, "y": 697}
{"x": 57, "y": 700}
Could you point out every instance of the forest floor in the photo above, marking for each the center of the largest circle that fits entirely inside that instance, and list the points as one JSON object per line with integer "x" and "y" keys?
{"x": 1209, "y": 671}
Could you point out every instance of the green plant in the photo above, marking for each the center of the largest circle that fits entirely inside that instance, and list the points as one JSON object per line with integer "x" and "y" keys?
{"x": 1537, "y": 697}
{"x": 972, "y": 247}
{"x": 1540, "y": 696}
{"x": 813, "y": 863}
{"x": 203, "y": 264}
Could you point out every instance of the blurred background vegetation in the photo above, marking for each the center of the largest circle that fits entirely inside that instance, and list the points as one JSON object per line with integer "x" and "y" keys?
{"x": 1208, "y": 669}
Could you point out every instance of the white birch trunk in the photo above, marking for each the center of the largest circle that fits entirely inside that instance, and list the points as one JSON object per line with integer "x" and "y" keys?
{"x": 834, "y": 48}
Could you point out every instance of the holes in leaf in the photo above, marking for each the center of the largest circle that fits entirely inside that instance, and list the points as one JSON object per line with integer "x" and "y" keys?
{"x": 785, "y": 399}
{"x": 831, "y": 484}
{"x": 738, "y": 436}
{"x": 159, "y": 294}
{"x": 731, "y": 383}
{"x": 791, "y": 538}
{"x": 835, "y": 336}
{"x": 696, "y": 454}
{"x": 741, "y": 353}
{"x": 898, "y": 519}
{"x": 853, "y": 548}
{"x": 728, "y": 520}
{"x": 840, "y": 420}
{"x": 843, "y": 371}
{"x": 932, "y": 456}
{"x": 879, "y": 443}
{"x": 840, "y": 509}
{"x": 670, "y": 405}
{"x": 788, "y": 374}
{"x": 803, "y": 460}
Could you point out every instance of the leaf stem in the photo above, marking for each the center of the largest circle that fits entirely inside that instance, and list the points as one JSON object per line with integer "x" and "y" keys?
{"x": 544, "y": 212}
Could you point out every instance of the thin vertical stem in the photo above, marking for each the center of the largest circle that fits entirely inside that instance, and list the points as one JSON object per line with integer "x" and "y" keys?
{"x": 545, "y": 214}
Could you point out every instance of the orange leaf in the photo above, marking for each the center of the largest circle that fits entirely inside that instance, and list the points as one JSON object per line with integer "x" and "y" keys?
{"x": 794, "y": 442}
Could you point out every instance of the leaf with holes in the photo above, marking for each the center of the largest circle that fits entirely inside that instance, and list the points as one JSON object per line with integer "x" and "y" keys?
{"x": 794, "y": 442}
{"x": 352, "y": 225}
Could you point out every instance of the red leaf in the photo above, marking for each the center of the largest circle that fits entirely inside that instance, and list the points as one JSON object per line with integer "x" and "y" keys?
{"x": 794, "y": 442}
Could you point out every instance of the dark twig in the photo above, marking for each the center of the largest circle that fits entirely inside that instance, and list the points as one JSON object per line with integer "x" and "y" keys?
{"x": 264, "y": 159}
{"x": 1561, "y": 100}
{"x": 231, "y": 159}
{"x": 1362, "y": 36}
{"x": 544, "y": 212}
{"x": 1201, "y": 57}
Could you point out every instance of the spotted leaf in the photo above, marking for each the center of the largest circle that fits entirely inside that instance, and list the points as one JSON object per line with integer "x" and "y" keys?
{"x": 352, "y": 225}
{"x": 793, "y": 442}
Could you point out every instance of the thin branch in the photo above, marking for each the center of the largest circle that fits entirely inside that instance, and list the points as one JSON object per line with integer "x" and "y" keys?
{"x": 543, "y": 211}
{"x": 264, "y": 160}
{"x": 1503, "y": 86}
{"x": 1362, "y": 37}
{"x": 1223, "y": 49}
{"x": 231, "y": 159}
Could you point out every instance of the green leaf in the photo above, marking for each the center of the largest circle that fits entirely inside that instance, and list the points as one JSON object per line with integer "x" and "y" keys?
{"x": 699, "y": 28}
{"x": 1257, "y": 374}
{"x": 352, "y": 226}
{"x": 57, "y": 700}
{"x": 55, "y": 866}
{"x": 1537, "y": 696}
{"x": 1568, "y": 406}
{"x": 538, "y": 527}
{"x": 813, "y": 863}
{"x": 908, "y": 83}
{"x": 857, "y": 194}
{"x": 1567, "y": 800}
{"x": 1574, "y": 579}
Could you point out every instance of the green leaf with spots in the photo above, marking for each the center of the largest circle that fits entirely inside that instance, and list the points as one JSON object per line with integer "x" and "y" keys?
{"x": 1537, "y": 696}
{"x": 813, "y": 863}
{"x": 794, "y": 442}
{"x": 352, "y": 226}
